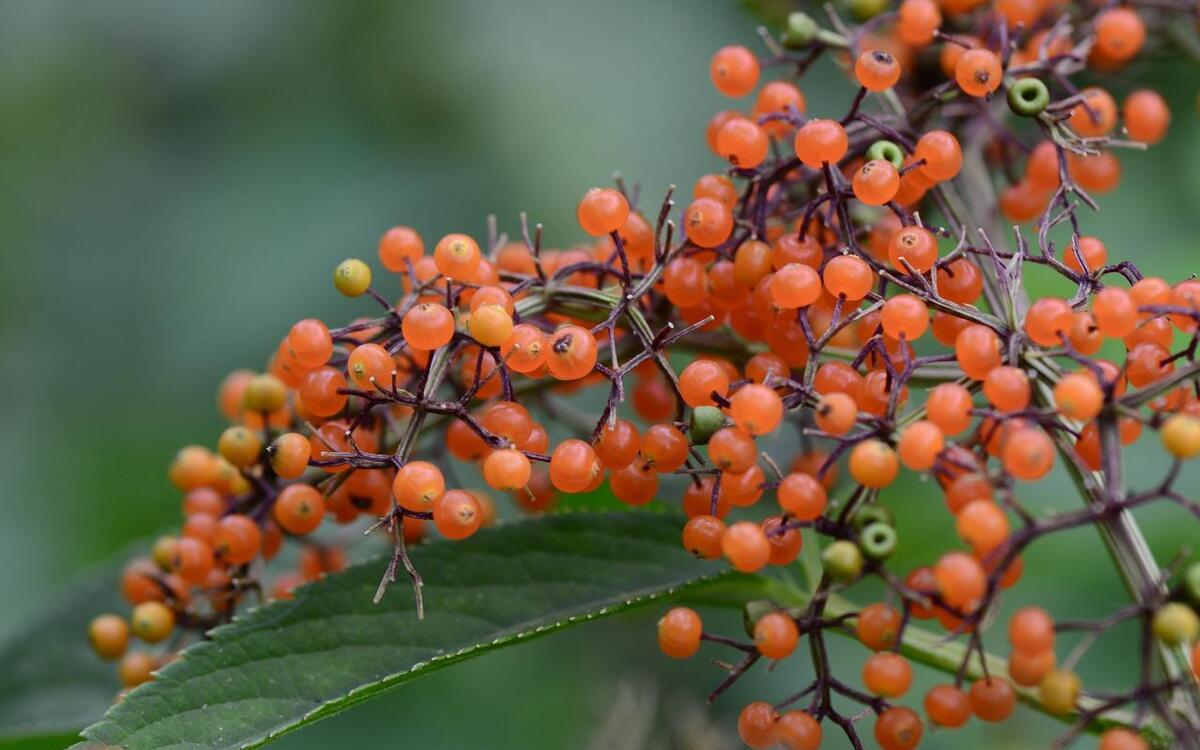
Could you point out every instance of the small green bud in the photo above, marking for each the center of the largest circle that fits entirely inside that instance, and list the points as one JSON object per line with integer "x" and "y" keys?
{"x": 864, "y": 10}
{"x": 801, "y": 30}
{"x": 869, "y": 514}
{"x": 754, "y": 611}
{"x": 1028, "y": 97}
{"x": 878, "y": 540}
{"x": 887, "y": 151}
{"x": 843, "y": 561}
{"x": 1176, "y": 624}
{"x": 1191, "y": 582}
{"x": 705, "y": 421}
{"x": 352, "y": 277}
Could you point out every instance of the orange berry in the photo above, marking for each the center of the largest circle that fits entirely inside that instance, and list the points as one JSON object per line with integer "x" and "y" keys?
{"x": 798, "y": 731}
{"x": 457, "y": 514}
{"x": 1119, "y": 738}
{"x": 1146, "y": 115}
{"x": 398, "y": 245}
{"x": 525, "y": 350}
{"x": 878, "y": 626}
{"x": 746, "y": 547}
{"x": 836, "y": 413}
{"x": 876, "y": 70}
{"x": 1028, "y": 453}
{"x": 983, "y": 525}
{"x": 708, "y": 222}
{"x": 310, "y": 343}
{"x": 679, "y": 633}
{"x": 1120, "y": 34}
{"x": 873, "y": 464}
{"x": 802, "y": 496}
{"x": 756, "y": 408}
{"x": 1094, "y": 253}
{"x": 1048, "y": 320}
{"x": 1027, "y": 668}
{"x": 848, "y": 276}
{"x": 664, "y": 447}
{"x": 702, "y": 536}
{"x": 1115, "y": 312}
{"x": 992, "y": 698}
{"x": 1096, "y": 115}
{"x": 886, "y": 674}
{"x": 573, "y": 466}
{"x": 757, "y": 725}
{"x": 821, "y": 141}
{"x": 617, "y": 446}
{"x": 947, "y": 706}
{"x": 238, "y": 539}
{"x": 319, "y": 391}
{"x": 299, "y": 509}
{"x": 914, "y": 244}
{"x": 898, "y": 728}
{"x": 918, "y": 20}
{"x": 778, "y": 97}
{"x": 978, "y": 72}
{"x": 949, "y": 407}
{"x": 941, "y": 153}
{"x": 876, "y": 182}
{"x": 1007, "y": 388}
{"x": 734, "y": 71}
{"x": 919, "y": 445}
{"x": 490, "y": 325}
{"x": 571, "y": 353}
{"x": 1031, "y": 630}
{"x": 776, "y": 635}
{"x": 418, "y": 485}
{"x": 795, "y": 285}
{"x": 743, "y": 143}
{"x": 977, "y": 351}
{"x": 456, "y": 256}
{"x": 602, "y": 211}
{"x": 904, "y": 316}
{"x": 427, "y": 326}
{"x": 700, "y": 379}
{"x": 960, "y": 579}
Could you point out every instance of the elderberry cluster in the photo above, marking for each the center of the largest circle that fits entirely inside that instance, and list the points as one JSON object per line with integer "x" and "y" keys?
{"x": 860, "y": 279}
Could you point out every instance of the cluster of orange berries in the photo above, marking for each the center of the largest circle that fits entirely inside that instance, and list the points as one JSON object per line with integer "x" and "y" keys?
{"x": 817, "y": 294}
{"x": 842, "y": 296}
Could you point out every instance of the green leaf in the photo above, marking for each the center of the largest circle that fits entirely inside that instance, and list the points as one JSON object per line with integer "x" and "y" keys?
{"x": 290, "y": 663}
{"x": 52, "y": 684}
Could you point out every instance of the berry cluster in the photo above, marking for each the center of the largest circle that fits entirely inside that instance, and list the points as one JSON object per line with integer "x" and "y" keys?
{"x": 846, "y": 277}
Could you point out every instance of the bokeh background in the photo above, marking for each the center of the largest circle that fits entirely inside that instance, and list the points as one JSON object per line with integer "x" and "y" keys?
{"x": 177, "y": 181}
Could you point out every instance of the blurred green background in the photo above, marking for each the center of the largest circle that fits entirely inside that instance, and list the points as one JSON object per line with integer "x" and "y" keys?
{"x": 177, "y": 181}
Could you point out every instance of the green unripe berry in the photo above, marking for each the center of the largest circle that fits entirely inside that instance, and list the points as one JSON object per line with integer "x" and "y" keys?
{"x": 1028, "y": 97}
{"x": 163, "y": 552}
{"x": 754, "y": 611}
{"x": 152, "y": 621}
{"x": 878, "y": 540}
{"x": 887, "y": 151}
{"x": 1191, "y": 582}
{"x": 352, "y": 277}
{"x": 864, "y": 10}
{"x": 843, "y": 561}
{"x": 869, "y": 514}
{"x": 264, "y": 393}
{"x": 801, "y": 30}
{"x": 706, "y": 420}
{"x": 1059, "y": 690}
{"x": 1176, "y": 624}
{"x": 1181, "y": 436}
